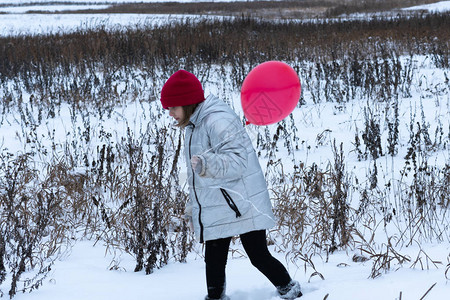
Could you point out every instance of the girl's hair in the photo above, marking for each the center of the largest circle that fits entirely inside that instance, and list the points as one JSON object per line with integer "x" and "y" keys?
{"x": 188, "y": 111}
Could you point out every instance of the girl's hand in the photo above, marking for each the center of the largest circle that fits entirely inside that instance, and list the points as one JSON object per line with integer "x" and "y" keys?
{"x": 196, "y": 164}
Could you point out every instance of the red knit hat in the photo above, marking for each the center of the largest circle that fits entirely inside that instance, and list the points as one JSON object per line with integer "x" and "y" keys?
{"x": 182, "y": 88}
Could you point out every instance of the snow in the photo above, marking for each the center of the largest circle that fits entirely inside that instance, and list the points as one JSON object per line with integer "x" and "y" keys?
{"x": 442, "y": 6}
{"x": 22, "y": 2}
{"x": 48, "y": 8}
{"x": 86, "y": 273}
{"x": 14, "y": 24}
{"x": 14, "y": 21}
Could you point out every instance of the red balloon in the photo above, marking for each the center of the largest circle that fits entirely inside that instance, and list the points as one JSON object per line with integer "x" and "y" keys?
{"x": 270, "y": 92}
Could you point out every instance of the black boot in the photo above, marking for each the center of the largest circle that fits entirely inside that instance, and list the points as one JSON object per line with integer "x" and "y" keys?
{"x": 223, "y": 297}
{"x": 290, "y": 291}
{"x": 217, "y": 293}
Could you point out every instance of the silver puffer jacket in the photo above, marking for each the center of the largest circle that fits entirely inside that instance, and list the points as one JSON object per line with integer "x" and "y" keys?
{"x": 229, "y": 196}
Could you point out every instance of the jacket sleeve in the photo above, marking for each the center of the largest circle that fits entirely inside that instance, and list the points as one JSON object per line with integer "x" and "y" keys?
{"x": 227, "y": 157}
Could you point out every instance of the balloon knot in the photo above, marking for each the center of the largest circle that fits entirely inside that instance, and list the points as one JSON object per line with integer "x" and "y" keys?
{"x": 247, "y": 122}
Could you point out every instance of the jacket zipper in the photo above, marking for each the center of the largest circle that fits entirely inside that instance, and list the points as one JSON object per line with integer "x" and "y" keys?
{"x": 230, "y": 202}
{"x": 195, "y": 192}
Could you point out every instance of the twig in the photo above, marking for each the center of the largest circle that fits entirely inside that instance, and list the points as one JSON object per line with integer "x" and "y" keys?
{"x": 423, "y": 297}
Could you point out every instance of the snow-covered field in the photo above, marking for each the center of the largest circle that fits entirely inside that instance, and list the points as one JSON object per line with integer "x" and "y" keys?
{"x": 110, "y": 1}
{"x": 47, "y": 8}
{"x": 15, "y": 24}
{"x": 434, "y": 7}
{"x": 14, "y": 20}
{"x": 85, "y": 273}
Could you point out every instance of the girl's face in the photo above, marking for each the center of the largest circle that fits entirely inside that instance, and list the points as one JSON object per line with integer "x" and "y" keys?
{"x": 177, "y": 113}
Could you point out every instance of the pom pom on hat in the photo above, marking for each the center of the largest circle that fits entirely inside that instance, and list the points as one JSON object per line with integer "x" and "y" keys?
{"x": 182, "y": 88}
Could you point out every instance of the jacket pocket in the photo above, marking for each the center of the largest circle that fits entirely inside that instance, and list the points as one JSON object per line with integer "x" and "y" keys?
{"x": 230, "y": 202}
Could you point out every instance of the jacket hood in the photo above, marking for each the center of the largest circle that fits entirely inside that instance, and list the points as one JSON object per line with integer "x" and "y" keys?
{"x": 212, "y": 104}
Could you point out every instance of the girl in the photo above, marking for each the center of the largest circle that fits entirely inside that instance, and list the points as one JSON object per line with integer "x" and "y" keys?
{"x": 227, "y": 189}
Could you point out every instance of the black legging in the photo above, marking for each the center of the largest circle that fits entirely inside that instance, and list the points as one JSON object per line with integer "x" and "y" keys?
{"x": 255, "y": 245}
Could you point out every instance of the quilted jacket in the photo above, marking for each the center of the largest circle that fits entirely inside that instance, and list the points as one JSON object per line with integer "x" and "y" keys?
{"x": 229, "y": 196}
